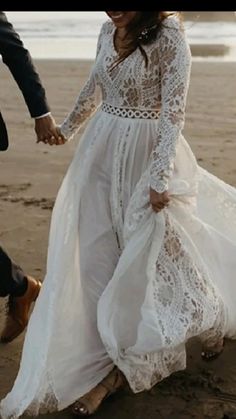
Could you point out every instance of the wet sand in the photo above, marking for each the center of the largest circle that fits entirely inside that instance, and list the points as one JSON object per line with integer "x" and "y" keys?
{"x": 30, "y": 176}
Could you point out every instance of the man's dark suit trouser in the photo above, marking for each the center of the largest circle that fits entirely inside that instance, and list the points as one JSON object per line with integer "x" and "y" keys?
{"x": 12, "y": 279}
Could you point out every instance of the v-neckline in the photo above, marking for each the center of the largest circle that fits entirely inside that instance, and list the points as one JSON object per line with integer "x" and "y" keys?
{"x": 113, "y": 44}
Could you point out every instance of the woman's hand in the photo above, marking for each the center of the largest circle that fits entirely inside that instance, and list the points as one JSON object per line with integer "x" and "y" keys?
{"x": 158, "y": 200}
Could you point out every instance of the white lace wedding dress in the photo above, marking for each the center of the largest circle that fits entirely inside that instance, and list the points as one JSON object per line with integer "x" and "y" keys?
{"x": 125, "y": 285}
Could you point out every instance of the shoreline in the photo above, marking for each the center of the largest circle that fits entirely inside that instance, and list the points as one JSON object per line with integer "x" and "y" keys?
{"x": 204, "y": 16}
{"x": 200, "y": 50}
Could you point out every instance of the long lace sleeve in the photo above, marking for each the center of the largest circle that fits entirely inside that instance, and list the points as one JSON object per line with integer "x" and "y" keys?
{"x": 175, "y": 62}
{"x": 86, "y": 103}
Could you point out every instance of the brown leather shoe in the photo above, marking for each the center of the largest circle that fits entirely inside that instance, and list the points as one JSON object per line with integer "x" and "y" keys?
{"x": 18, "y": 311}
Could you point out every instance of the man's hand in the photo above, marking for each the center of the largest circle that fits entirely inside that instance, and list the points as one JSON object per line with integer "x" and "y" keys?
{"x": 158, "y": 200}
{"x": 47, "y": 131}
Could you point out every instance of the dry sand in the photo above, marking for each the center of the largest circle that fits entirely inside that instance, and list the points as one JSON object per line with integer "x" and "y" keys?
{"x": 30, "y": 176}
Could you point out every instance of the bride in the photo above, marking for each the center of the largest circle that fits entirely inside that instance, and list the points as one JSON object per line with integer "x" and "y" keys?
{"x": 142, "y": 242}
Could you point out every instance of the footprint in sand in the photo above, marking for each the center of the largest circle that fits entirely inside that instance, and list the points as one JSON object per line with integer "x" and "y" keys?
{"x": 6, "y": 190}
{"x": 9, "y": 193}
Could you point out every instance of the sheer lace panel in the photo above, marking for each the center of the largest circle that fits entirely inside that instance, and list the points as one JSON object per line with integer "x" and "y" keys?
{"x": 175, "y": 263}
{"x": 86, "y": 103}
{"x": 174, "y": 56}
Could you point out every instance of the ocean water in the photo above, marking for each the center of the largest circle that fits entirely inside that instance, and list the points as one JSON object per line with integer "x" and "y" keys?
{"x": 73, "y": 35}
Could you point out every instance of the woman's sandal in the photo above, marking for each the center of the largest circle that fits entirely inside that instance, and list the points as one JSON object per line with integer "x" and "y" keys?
{"x": 209, "y": 354}
{"x": 86, "y": 406}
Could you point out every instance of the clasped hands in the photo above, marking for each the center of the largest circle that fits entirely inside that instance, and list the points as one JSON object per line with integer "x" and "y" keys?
{"x": 48, "y": 132}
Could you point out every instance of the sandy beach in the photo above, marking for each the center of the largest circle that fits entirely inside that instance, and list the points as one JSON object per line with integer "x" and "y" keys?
{"x": 30, "y": 175}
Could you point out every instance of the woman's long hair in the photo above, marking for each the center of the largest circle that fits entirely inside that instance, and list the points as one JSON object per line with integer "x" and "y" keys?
{"x": 142, "y": 30}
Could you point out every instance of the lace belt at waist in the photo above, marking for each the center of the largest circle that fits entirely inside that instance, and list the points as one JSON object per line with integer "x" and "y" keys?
{"x": 131, "y": 113}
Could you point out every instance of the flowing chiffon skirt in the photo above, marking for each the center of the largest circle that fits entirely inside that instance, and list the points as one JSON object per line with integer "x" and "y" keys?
{"x": 125, "y": 285}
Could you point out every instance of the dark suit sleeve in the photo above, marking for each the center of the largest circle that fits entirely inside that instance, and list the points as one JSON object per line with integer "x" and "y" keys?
{"x": 20, "y": 63}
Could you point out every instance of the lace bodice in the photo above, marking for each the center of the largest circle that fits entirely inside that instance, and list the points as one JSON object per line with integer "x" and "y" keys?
{"x": 161, "y": 86}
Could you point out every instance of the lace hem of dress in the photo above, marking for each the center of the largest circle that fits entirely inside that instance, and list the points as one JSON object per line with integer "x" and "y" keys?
{"x": 49, "y": 405}
{"x": 131, "y": 113}
{"x": 44, "y": 402}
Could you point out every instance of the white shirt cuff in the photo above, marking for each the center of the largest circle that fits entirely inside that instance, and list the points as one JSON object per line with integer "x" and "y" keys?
{"x": 41, "y": 116}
